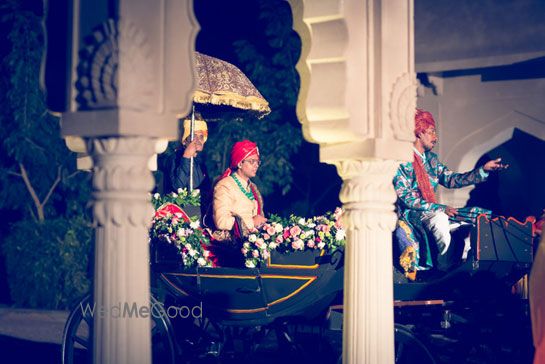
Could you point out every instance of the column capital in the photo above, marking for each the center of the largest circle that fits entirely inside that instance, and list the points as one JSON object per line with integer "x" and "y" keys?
{"x": 122, "y": 180}
{"x": 368, "y": 193}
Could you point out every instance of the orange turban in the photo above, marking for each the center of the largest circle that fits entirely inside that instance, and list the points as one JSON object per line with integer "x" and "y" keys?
{"x": 423, "y": 120}
{"x": 239, "y": 152}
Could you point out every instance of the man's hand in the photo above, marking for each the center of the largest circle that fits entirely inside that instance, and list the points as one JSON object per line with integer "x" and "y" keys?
{"x": 192, "y": 149}
{"x": 494, "y": 165}
{"x": 259, "y": 220}
{"x": 451, "y": 211}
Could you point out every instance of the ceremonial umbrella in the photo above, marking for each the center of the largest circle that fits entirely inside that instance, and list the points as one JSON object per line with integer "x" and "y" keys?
{"x": 220, "y": 83}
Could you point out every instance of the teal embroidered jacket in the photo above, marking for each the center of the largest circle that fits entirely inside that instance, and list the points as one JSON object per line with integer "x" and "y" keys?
{"x": 409, "y": 197}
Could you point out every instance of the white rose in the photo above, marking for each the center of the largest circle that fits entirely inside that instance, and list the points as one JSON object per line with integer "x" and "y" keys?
{"x": 272, "y": 245}
{"x": 321, "y": 245}
{"x": 194, "y": 224}
{"x": 250, "y": 264}
{"x": 246, "y": 245}
{"x": 174, "y": 194}
{"x": 196, "y": 193}
{"x": 156, "y": 196}
{"x": 278, "y": 228}
{"x": 340, "y": 235}
{"x": 192, "y": 253}
{"x": 252, "y": 238}
{"x": 301, "y": 221}
{"x": 201, "y": 262}
{"x": 312, "y": 225}
{"x": 188, "y": 246}
{"x": 180, "y": 190}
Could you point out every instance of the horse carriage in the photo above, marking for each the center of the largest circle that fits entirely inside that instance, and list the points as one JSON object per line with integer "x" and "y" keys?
{"x": 294, "y": 303}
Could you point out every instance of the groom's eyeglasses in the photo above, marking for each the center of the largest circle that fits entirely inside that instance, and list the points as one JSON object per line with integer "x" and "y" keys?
{"x": 253, "y": 162}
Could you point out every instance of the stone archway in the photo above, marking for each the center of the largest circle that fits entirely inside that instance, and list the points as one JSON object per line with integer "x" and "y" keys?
{"x": 359, "y": 107}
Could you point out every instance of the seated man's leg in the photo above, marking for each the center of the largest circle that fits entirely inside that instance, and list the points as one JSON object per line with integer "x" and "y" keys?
{"x": 438, "y": 224}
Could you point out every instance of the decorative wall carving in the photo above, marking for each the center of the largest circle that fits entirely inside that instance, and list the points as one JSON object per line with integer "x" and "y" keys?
{"x": 402, "y": 106}
{"x": 115, "y": 48}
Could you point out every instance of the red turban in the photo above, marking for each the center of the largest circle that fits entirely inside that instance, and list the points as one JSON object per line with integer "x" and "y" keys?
{"x": 422, "y": 121}
{"x": 239, "y": 152}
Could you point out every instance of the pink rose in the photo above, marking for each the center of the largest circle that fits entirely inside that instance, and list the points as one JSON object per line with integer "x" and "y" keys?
{"x": 310, "y": 244}
{"x": 259, "y": 243}
{"x": 266, "y": 236}
{"x": 326, "y": 229}
{"x": 286, "y": 233}
{"x": 244, "y": 251}
{"x": 255, "y": 253}
{"x": 279, "y": 239}
{"x": 295, "y": 230}
{"x": 298, "y": 244}
{"x": 270, "y": 230}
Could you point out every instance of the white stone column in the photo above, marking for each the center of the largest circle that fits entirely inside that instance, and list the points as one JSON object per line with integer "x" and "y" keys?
{"x": 122, "y": 212}
{"x": 357, "y": 100}
{"x": 368, "y": 196}
{"x": 130, "y": 78}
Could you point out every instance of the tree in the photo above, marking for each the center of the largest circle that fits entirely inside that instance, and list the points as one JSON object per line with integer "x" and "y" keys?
{"x": 269, "y": 62}
{"x": 38, "y": 170}
{"x": 48, "y": 243}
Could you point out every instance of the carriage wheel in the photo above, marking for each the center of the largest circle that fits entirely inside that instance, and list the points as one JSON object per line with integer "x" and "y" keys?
{"x": 409, "y": 348}
{"x": 76, "y": 338}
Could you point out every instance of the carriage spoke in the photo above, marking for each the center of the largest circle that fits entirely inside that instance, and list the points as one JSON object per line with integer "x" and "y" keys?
{"x": 82, "y": 341}
{"x": 399, "y": 351}
{"x": 88, "y": 319}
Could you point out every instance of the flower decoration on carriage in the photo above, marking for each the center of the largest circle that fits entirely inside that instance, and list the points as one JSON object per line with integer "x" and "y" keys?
{"x": 171, "y": 225}
{"x": 182, "y": 197}
{"x": 294, "y": 234}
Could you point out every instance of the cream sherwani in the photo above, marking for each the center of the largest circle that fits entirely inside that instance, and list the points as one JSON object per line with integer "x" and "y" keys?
{"x": 230, "y": 201}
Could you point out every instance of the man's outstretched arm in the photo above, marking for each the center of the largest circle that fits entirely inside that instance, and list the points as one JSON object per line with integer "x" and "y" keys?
{"x": 451, "y": 179}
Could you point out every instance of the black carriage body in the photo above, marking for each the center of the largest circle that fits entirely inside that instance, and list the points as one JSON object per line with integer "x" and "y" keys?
{"x": 501, "y": 252}
{"x": 303, "y": 284}
{"x": 300, "y": 284}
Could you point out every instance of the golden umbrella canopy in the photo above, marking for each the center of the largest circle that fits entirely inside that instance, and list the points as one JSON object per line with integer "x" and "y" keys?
{"x": 221, "y": 83}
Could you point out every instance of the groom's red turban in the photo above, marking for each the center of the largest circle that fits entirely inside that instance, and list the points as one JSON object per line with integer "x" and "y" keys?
{"x": 239, "y": 152}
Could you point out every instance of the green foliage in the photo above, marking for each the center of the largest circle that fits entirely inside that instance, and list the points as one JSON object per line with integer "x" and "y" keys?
{"x": 182, "y": 198}
{"x": 47, "y": 263}
{"x": 46, "y": 250}
{"x": 30, "y": 140}
{"x": 270, "y": 65}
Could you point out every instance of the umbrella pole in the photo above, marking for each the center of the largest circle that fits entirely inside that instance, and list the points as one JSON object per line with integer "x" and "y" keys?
{"x": 191, "y": 137}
